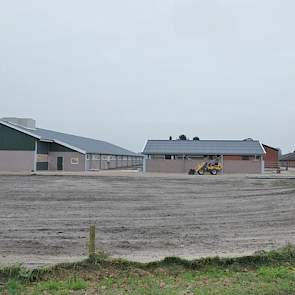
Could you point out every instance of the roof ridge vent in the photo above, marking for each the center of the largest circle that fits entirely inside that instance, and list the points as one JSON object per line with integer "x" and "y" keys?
{"x": 248, "y": 139}
{"x": 27, "y": 123}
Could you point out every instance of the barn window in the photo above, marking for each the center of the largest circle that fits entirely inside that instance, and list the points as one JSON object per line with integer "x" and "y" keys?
{"x": 74, "y": 161}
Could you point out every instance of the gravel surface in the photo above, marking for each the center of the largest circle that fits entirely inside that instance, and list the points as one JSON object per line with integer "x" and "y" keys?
{"x": 45, "y": 219}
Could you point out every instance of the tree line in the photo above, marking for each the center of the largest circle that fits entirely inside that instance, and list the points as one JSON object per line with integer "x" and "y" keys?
{"x": 184, "y": 137}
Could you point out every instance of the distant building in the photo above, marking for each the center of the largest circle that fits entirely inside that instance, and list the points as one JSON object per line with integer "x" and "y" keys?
{"x": 23, "y": 147}
{"x": 288, "y": 160}
{"x": 271, "y": 158}
{"x": 179, "y": 156}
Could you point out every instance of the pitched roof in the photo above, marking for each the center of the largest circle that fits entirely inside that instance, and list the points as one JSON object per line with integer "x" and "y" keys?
{"x": 79, "y": 143}
{"x": 271, "y": 147}
{"x": 204, "y": 147}
{"x": 288, "y": 157}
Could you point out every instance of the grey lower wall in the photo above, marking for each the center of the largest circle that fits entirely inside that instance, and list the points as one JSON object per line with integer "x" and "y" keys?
{"x": 67, "y": 156}
{"x": 104, "y": 165}
{"x": 170, "y": 166}
{"x": 240, "y": 166}
{"x": 17, "y": 161}
{"x": 98, "y": 164}
{"x": 183, "y": 166}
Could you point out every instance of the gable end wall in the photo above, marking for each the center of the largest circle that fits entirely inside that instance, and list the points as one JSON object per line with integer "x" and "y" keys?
{"x": 14, "y": 140}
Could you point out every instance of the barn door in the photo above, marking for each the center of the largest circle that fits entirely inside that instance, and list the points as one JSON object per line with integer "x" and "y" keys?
{"x": 60, "y": 163}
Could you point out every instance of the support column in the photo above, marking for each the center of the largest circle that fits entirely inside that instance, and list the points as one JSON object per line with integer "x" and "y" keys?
{"x": 144, "y": 163}
{"x": 222, "y": 163}
{"x": 35, "y": 157}
{"x": 262, "y": 165}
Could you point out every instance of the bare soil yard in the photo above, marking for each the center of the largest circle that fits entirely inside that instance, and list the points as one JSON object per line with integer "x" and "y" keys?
{"x": 45, "y": 219}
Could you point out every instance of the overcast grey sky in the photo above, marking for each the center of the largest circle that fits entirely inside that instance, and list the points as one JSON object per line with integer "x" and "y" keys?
{"x": 132, "y": 70}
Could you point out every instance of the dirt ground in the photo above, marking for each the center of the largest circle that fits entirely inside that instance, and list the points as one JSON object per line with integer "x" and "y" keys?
{"x": 45, "y": 219}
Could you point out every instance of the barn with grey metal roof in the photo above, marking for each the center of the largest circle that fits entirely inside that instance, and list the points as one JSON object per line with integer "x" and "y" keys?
{"x": 23, "y": 146}
{"x": 179, "y": 156}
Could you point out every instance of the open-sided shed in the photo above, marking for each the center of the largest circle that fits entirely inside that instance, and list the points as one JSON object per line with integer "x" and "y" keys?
{"x": 179, "y": 156}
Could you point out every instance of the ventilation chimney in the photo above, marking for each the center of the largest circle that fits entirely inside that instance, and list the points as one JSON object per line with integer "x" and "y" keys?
{"x": 23, "y": 122}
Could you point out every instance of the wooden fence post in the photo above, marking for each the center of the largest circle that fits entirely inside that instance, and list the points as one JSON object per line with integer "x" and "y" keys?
{"x": 91, "y": 245}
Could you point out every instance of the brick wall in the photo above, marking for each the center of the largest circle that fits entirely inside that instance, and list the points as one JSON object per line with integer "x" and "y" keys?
{"x": 290, "y": 164}
{"x": 67, "y": 165}
{"x": 271, "y": 158}
{"x": 171, "y": 166}
{"x": 232, "y": 158}
{"x": 183, "y": 166}
{"x": 16, "y": 161}
{"x": 243, "y": 166}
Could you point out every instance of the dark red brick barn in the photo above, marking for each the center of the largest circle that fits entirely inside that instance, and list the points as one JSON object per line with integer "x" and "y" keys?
{"x": 271, "y": 158}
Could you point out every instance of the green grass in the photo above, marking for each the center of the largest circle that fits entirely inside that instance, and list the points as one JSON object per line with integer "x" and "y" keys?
{"x": 267, "y": 273}
{"x": 210, "y": 282}
{"x": 59, "y": 287}
{"x": 14, "y": 287}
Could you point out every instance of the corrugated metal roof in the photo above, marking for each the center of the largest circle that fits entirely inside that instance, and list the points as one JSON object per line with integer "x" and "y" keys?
{"x": 81, "y": 143}
{"x": 288, "y": 157}
{"x": 203, "y": 147}
{"x": 87, "y": 144}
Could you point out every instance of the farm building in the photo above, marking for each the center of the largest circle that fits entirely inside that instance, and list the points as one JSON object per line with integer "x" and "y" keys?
{"x": 271, "y": 158}
{"x": 23, "y": 147}
{"x": 288, "y": 160}
{"x": 179, "y": 156}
